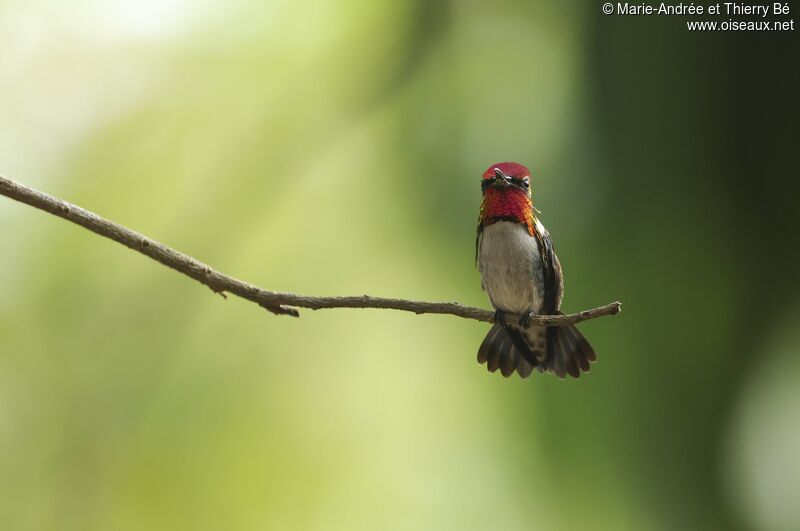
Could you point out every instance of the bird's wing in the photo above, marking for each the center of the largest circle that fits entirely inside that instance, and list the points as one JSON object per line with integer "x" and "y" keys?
{"x": 553, "y": 276}
{"x": 478, "y": 240}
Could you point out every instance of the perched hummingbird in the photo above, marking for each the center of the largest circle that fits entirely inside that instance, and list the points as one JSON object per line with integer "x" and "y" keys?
{"x": 522, "y": 275}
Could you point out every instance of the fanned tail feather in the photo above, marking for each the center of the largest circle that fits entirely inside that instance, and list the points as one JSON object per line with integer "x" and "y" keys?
{"x": 569, "y": 352}
{"x": 499, "y": 351}
{"x": 561, "y": 350}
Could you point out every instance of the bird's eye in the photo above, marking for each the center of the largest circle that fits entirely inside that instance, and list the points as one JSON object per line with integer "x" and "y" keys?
{"x": 526, "y": 183}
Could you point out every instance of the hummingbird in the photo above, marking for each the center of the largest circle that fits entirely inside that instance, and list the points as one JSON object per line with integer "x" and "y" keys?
{"x": 521, "y": 274}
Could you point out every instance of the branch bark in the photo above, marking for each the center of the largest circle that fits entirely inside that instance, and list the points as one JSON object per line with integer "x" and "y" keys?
{"x": 276, "y": 302}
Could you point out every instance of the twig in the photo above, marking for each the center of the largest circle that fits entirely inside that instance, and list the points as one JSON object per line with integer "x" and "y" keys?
{"x": 274, "y": 301}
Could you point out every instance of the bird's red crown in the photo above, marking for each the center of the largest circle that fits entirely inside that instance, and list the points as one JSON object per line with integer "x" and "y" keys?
{"x": 511, "y": 169}
{"x": 507, "y": 195}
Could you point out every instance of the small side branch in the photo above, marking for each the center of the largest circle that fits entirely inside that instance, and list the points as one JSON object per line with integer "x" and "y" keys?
{"x": 276, "y": 302}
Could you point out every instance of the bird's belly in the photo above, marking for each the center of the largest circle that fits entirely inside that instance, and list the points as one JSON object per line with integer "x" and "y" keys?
{"x": 511, "y": 268}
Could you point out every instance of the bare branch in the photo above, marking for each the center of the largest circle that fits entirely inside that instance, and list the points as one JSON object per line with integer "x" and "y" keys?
{"x": 274, "y": 301}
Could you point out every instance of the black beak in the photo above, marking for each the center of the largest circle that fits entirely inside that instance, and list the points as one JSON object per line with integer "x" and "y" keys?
{"x": 500, "y": 177}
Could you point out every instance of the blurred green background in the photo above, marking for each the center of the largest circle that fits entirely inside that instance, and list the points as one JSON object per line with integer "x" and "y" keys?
{"x": 335, "y": 147}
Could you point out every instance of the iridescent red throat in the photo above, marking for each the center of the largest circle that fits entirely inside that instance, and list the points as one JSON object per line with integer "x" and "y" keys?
{"x": 507, "y": 204}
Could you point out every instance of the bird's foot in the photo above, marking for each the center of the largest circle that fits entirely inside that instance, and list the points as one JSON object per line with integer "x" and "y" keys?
{"x": 525, "y": 319}
{"x": 500, "y": 317}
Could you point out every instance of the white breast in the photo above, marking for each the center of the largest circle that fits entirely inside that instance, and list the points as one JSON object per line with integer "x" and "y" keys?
{"x": 511, "y": 267}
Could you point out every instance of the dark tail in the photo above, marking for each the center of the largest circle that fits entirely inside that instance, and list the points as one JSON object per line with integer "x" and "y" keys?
{"x": 498, "y": 351}
{"x": 568, "y": 351}
{"x": 561, "y": 350}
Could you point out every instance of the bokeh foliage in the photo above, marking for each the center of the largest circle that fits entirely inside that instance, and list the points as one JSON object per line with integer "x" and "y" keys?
{"x": 335, "y": 147}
